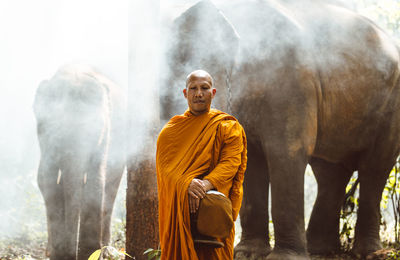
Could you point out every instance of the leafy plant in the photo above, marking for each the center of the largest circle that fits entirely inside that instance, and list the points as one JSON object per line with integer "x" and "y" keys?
{"x": 394, "y": 255}
{"x": 153, "y": 253}
{"x": 391, "y": 194}
{"x": 109, "y": 253}
{"x": 348, "y": 213}
{"x": 118, "y": 232}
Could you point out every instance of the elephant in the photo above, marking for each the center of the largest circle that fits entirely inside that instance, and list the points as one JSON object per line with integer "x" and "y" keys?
{"x": 312, "y": 82}
{"x": 80, "y": 128}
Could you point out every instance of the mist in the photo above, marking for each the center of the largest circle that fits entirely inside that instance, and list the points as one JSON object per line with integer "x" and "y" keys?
{"x": 38, "y": 37}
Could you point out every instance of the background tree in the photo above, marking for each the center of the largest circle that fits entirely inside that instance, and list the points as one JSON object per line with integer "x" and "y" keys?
{"x": 143, "y": 127}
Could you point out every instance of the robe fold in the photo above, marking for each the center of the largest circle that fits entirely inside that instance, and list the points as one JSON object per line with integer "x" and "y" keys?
{"x": 213, "y": 145}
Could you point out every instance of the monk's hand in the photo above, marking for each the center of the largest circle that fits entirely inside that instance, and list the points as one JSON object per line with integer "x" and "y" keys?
{"x": 208, "y": 185}
{"x": 196, "y": 191}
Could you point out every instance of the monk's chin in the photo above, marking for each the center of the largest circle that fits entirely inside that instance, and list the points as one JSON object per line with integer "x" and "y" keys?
{"x": 197, "y": 112}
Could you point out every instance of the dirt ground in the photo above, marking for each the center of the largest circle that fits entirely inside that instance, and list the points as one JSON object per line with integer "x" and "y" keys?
{"x": 23, "y": 249}
{"x": 384, "y": 254}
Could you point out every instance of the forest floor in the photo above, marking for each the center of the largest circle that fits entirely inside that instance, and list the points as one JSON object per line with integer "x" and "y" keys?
{"x": 32, "y": 245}
{"x": 20, "y": 248}
{"x": 23, "y": 249}
{"x": 384, "y": 254}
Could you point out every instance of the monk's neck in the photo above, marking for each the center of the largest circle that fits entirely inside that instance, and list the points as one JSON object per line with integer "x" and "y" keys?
{"x": 199, "y": 113}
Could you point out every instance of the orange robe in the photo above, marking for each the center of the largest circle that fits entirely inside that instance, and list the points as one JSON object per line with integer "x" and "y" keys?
{"x": 187, "y": 147}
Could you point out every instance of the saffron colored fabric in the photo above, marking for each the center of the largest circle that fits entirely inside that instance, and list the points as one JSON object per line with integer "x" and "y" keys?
{"x": 211, "y": 144}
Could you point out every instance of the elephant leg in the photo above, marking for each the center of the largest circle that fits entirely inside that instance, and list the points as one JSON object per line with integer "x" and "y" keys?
{"x": 54, "y": 200}
{"x": 254, "y": 218}
{"x": 90, "y": 230}
{"x": 323, "y": 228}
{"x": 287, "y": 191}
{"x": 373, "y": 173}
{"x": 72, "y": 183}
{"x": 113, "y": 180}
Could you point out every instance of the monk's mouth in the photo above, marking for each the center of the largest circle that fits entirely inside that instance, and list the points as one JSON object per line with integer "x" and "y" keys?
{"x": 199, "y": 102}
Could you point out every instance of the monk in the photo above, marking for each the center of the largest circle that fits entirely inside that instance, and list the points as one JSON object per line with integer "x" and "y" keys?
{"x": 202, "y": 149}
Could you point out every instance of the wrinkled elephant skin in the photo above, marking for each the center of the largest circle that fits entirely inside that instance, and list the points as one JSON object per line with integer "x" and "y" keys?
{"x": 80, "y": 127}
{"x": 311, "y": 82}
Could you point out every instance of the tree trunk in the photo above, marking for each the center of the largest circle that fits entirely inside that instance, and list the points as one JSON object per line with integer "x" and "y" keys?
{"x": 142, "y": 207}
{"x": 143, "y": 127}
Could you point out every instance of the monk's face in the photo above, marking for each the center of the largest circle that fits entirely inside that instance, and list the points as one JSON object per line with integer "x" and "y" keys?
{"x": 199, "y": 93}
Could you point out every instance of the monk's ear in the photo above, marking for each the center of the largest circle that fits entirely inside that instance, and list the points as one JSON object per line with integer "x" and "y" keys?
{"x": 185, "y": 92}
{"x": 214, "y": 90}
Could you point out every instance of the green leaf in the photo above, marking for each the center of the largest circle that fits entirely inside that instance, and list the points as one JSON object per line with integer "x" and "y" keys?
{"x": 129, "y": 255}
{"x": 148, "y": 251}
{"x": 95, "y": 255}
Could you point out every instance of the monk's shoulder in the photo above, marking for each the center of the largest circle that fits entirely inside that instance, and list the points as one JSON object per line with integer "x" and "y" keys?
{"x": 170, "y": 127}
{"x": 230, "y": 129}
{"x": 230, "y": 122}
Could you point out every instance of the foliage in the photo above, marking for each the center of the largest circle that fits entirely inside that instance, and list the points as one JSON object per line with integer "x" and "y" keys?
{"x": 394, "y": 255}
{"x": 118, "y": 232}
{"x": 348, "y": 214}
{"x": 392, "y": 193}
{"x": 385, "y": 12}
{"x": 109, "y": 253}
{"x": 96, "y": 255}
{"x": 390, "y": 196}
{"x": 25, "y": 213}
{"x": 23, "y": 222}
{"x": 153, "y": 253}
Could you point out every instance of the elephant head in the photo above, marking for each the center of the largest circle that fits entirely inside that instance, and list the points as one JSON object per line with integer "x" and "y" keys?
{"x": 201, "y": 38}
{"x": 70, "y": 109}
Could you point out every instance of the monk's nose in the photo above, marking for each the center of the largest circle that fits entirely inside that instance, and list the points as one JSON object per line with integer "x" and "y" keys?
{"x": 199, "y": 93}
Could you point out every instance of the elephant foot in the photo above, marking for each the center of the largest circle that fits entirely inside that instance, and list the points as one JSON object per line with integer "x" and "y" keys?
{"x": 361, "y": 249}
{"x": 252, "y": 249}
{"x": 62, "y": 257}
{"x": 286, "y": 255}
{"x": 325, "y": 250}
{"x": 323, "y": 247}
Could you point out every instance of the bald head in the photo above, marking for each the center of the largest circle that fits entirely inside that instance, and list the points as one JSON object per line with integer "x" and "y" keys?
{"x": 199, "y": 74}
{"x": 199, "y": 92}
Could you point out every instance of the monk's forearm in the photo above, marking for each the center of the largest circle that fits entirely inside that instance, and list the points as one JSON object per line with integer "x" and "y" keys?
{"x": 222, "y": 175}
{"x": 230, "y": 157}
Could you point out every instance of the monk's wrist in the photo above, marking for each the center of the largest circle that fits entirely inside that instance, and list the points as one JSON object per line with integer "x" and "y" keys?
{"x": 208, "y": 185}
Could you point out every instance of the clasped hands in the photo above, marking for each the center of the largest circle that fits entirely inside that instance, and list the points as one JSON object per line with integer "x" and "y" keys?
{"x": 197, "y": 190}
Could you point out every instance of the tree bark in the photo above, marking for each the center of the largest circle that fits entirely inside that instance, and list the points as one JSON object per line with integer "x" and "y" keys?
{"x": 142, "y": 207}
{"x": 143, "y": 127}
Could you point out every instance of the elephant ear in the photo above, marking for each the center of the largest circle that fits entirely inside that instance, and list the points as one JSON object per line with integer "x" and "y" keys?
{"x": 41, "y": 98}
{"x": 200, "y": 38}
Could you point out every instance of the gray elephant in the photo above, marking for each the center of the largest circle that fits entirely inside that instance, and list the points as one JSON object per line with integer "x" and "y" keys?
{"x": 80, "y": 127}
{"x": 311, "y": 82}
